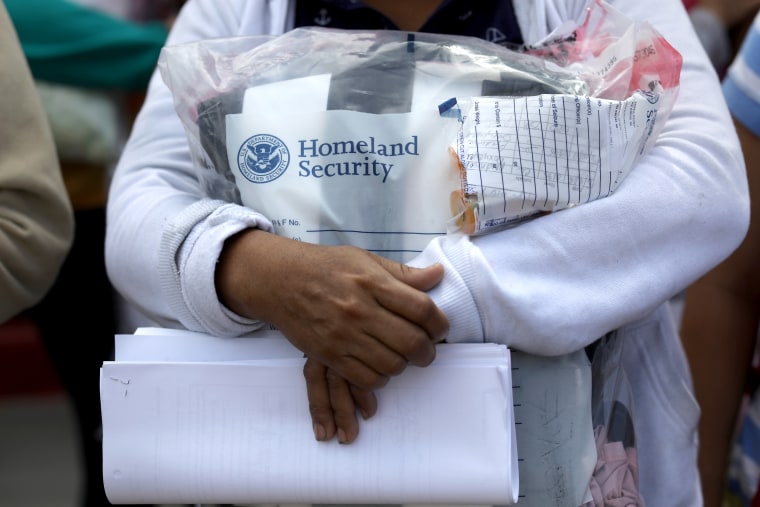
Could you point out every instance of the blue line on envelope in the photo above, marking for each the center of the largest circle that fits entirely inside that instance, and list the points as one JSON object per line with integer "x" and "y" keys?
{"x": 380, "y": 232}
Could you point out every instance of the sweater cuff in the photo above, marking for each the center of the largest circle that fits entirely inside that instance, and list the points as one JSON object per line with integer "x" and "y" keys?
{"x": 453, "y": 294}
{"x": 191, "y": 290}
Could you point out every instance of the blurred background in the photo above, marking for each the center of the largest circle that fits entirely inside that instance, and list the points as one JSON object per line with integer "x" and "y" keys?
{"x": 40, "y": 462}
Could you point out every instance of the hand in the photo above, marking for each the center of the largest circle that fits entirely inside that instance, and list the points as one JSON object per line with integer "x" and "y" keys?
{"x": 333, "y": 403}
{"x": 359, "y": 314}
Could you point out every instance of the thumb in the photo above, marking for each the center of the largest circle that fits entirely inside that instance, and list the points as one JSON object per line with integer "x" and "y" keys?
{"x": 422, "y": 279}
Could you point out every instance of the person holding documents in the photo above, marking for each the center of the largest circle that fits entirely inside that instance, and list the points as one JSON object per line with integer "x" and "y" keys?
{"x": 550, "y": 286}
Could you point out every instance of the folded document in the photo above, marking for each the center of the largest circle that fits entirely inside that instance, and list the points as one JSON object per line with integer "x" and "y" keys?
{"x": 192, "y": 418}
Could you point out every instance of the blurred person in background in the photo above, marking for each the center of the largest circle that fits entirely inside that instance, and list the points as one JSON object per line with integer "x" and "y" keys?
{"x": 91, "y": 66}
{"x": 721, "y": 317}
{"x": 36, "y": 220}
{"x": 720, "y": 26}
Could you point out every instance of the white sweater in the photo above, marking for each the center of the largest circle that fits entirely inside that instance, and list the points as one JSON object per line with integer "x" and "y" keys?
{"x": 549, "y": 286}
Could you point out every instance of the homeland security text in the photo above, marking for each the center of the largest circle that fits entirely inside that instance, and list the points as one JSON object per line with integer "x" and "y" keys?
{"x": 340, "y": 166}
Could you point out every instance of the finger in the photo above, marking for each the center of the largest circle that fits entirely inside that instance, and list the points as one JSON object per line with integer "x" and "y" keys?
{"x": 396, "y": 342}
{"x": 342, "y": 344}
{"x": 410, "y": 299}
{"x": 422, "y": 279}
{"x": 354, "y": 365}
{"x": 365, "y": 401}
{"x": 343, "y": 407}
{"x": 318, "y": 394}
{"x": 382, "y": 345}
{"x": 374, "y": 348}
{"x": 419, "y": 309}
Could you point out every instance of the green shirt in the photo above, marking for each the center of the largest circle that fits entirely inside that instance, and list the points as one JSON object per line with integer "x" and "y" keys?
{"x": 68, "y": 43}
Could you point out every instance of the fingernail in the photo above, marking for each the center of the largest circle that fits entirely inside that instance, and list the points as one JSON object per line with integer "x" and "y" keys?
{"x": 365, "y": 415}
{"x": 319, "y": 432}
{"x": 341, "y": 436}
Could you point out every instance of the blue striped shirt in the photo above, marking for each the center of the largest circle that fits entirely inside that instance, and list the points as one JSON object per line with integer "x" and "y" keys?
{"x": 741, "y": 86}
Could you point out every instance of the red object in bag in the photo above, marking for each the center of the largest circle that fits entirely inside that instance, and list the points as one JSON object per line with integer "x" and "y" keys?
{"x": 604, "y": 36}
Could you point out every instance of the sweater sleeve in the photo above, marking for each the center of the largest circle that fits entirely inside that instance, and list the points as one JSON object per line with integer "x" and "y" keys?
{"x": 164, "y": 234}
{"x": 555, "y": 284}
{"x": 68, "y": 43}
{"x": 36, "y": 220}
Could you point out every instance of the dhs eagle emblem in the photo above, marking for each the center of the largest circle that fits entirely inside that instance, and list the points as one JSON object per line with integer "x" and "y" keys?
{"x": 263, "y": 158}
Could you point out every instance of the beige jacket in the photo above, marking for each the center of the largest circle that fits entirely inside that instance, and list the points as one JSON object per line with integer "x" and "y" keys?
{"x": 36, "y": 218}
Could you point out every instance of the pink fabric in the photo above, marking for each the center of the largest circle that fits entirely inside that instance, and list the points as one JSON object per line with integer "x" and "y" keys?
{"x": 615, "y": 480}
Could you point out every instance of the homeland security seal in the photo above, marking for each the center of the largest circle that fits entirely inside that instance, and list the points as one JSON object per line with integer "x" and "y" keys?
{"x": 263, "y": 158}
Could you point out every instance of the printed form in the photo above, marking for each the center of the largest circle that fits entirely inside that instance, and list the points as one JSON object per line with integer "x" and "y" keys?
{"x": 526, "y": 155}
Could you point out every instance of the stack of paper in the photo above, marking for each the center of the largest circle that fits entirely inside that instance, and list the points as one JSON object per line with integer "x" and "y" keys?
{"x": 191, "y": 418}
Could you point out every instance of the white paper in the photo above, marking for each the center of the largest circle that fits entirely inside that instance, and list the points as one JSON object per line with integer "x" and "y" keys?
{"x": 305, "y": 94}
{"x": 172, "y": 345}
{"x": 239, "y": 431}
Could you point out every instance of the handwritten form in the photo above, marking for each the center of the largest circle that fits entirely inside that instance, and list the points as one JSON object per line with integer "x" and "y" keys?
{"x": 525, "y": 155}
{"x": 234, "y": 427}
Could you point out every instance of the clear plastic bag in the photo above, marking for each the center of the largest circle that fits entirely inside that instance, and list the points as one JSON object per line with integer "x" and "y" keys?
{"x": 522, "y": 158}
{"x": 615, "y": 479}
{"x": 555, "y": 441}
{"x": 593, "y": 97}
{"x": 376, "y": 72}
{"x": 336, "y": 135}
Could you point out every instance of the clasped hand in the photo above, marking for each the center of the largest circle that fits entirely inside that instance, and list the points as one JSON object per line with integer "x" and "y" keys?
{"x": 359, "y": 318}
